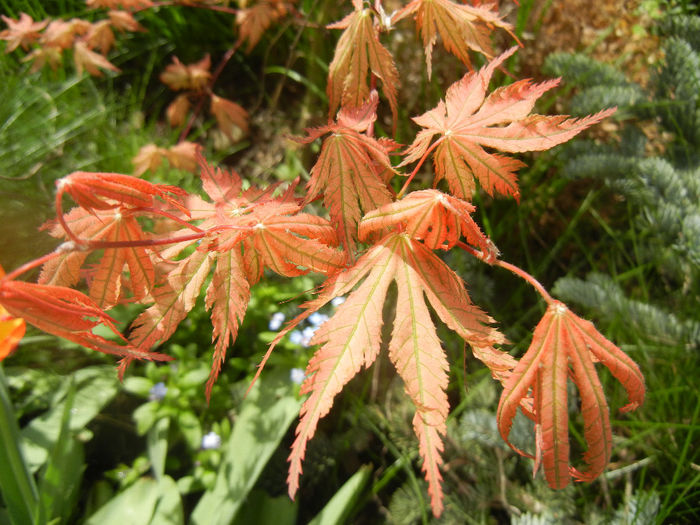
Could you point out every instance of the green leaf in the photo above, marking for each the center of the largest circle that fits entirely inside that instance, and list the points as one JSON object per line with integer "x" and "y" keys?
{"x": 139, "y": 386}
{"x": 19, "y": 491}
{"x": 134, "y": 506}
{"x": 265, "y": 416}
{"x": 341, "y": 504}
{"x": 60, "y": 480}
{"x": 157, "y": 440}
{"x": 96, "y": 386}
{"x": 169, "y": 507}
{"x": 191, "y": 428}
{"x": 262, "y": 509}
{"x": 146, "y": 416}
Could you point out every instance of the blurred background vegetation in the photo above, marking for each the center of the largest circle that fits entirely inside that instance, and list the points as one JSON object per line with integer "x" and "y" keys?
{"x": 610, "y": 223}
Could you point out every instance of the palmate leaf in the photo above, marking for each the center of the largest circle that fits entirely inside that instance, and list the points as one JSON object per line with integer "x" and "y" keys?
{"x": 468, "y": 121}
{"x": 358, "y": 53}
{"x": 351, "y": 340}
{"x": 564, "y": 345}
{"x": 461, "y": 27}
{"x": 66, "y": 313}
{"x": 105, "y": 279}
{"x": 431, "y": 216}
{"x": 248, "y": 231}
{"x": 350, "y": 170}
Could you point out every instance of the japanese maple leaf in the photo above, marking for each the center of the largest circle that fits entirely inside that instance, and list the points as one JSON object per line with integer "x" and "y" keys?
{"x": 88, "y": 60}
{"x": 105, "y": 280}
{"x": 468, "y": 120}
{"x": 461, "y": 27}
{"x": 195, "y": 77}
{"x": 431, "y": 216}
{"x": 351, "y": 340}
{"x": 350, "y": 170}
{"x": 105, "y": 191}
{"x": 565, "y": 346}
{"x": 66, "y": 313}
{"x": 21, "y": 32}
{"x": 253, "y": 21}
{"x": 231, "y": 117}
{"x": 357, "y": 53}
{"x": 249, "y": 231}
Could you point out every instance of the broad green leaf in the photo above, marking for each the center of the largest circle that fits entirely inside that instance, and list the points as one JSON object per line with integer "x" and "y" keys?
{"x": 265, "y": 416}
{"x": 169, "y": 507}
{"x": 134, "y": 506}
{"x": 262, "y": 509}
{"x": 96, "y": 386}
{"x": 157, "y": 440}
{"x": 340, "y": 505}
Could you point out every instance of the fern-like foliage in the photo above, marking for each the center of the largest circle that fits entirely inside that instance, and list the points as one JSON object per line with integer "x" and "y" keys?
{"x": 664, "y": 190}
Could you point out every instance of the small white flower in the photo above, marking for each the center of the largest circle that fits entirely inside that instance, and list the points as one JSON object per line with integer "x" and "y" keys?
{"x": 211, "y": 441}
{"x": 276, "y": 321}
{"x": 157, "y": 392}
{"x": 337, "y": 301}
{"x": 296, "y": 375}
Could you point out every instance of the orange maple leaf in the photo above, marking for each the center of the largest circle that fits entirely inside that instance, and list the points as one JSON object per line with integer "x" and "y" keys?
{"x": 350, "y": 169}
{"x": 105, "y": 280}
{"x": 357, "y": 53}
{"x": 66, "y": 313}
{"x": 22, "y": 32}
{"x": 351, "y": 340}
{"x": 178, "y": 76}
{"x": 566, "y": 346}
{"x": 248, "y": 231}
{"x": 468, "y": 120}
{"x": 231, "y": 117}
{"x": 105, "y": 191}
{"x": 461, "y": 27}
{"x": 431, "y": 216}
{"x": 88, "y": 60}
{"x": 253, "y": 21}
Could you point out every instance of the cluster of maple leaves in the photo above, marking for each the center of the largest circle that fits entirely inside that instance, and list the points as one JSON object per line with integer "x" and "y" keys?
{"x": 374, "y": 238}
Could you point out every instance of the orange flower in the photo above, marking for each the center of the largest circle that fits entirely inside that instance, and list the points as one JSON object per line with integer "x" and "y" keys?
{"x": 11, "y": 329}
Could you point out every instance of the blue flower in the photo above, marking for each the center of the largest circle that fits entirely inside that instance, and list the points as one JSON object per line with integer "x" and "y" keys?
{"x": 276, "y": 321}
{"x": 317, "y": 319}
{"x": 157, "y": 392}
{"x": 296, "y": 337}
{"x": 211, "y": 441}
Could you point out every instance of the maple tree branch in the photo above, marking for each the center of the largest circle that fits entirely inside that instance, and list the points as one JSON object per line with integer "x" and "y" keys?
{"x": 420, "y": 163}
{"x": 511, "y": 268}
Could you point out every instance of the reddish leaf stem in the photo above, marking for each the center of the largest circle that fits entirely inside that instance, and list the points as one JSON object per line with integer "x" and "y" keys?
{"x": 170, "y": 216}
{"x": 420, "y": 163}
{"x": 513, "y": 269}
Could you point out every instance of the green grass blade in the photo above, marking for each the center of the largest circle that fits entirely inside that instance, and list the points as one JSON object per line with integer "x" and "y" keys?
{"x": 60, "y": 481}
{"x": 19, "y": 491}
